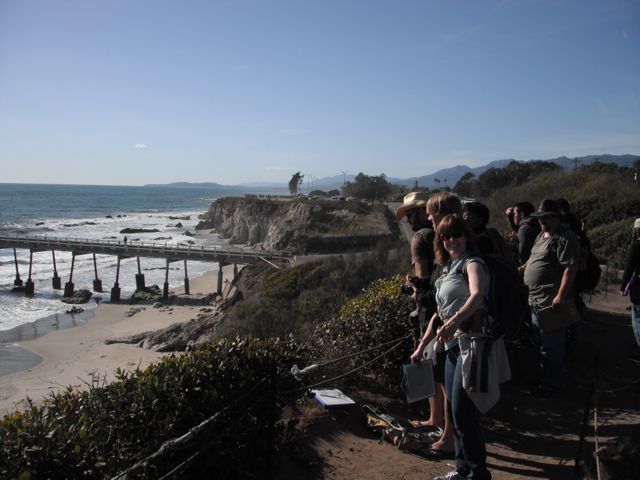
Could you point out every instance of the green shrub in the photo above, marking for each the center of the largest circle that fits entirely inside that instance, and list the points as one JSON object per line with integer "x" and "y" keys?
{"x": 610, "y": 242}
{"x": 294, "y": 300}
{"x": 378, "y": 315}
{"x": 103, "y": 431}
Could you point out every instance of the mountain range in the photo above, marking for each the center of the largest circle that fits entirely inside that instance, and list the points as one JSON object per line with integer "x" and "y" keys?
{"x": 441, "y": 178}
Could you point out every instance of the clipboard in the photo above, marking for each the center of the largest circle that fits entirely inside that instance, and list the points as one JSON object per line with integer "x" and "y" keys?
{"x": 417, "y": 381}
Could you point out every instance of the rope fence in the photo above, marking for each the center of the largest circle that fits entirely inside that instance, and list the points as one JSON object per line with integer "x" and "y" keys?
{"x": 205, "y": 427}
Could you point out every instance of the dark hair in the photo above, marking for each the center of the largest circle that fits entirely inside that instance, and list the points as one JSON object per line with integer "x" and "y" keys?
{"x": 526, "y": 208}
{"x": 449, "y": 225}
{"x": 479, "y": 209}
{"x": 563, "y": 204}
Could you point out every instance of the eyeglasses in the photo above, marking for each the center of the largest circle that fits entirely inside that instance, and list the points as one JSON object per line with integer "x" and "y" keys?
{"x": 451, "y": 236}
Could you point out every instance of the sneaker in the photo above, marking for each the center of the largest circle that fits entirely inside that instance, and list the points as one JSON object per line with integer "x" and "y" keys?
{"x": 453, "y": 475}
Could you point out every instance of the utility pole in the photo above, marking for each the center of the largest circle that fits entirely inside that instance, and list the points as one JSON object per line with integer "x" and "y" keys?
{"x": 344, "y": 179}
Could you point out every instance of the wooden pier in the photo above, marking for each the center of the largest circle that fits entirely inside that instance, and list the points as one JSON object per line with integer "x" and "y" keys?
{"x": 221, "y": 255}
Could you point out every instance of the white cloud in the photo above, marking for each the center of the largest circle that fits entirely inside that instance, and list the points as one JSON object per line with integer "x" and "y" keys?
{"x": 462, "y": 153}
{"x": 278, "y": 168}
{"x": 601, "y": 105}
{"x": 139, "y": 146}
{"x": 293, "y": 131}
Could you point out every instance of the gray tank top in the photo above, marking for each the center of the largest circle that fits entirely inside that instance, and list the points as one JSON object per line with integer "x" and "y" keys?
{"x": 452, "y": 288}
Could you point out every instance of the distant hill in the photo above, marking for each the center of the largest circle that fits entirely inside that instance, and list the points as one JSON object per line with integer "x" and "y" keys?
{"x": 446, "y": 176}
{"x": 453, "y": 174}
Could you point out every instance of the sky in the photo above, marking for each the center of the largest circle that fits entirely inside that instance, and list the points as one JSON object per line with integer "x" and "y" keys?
{"x": 130, "y": 92}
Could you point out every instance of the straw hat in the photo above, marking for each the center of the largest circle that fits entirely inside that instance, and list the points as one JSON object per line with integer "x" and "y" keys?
{"x": 412, "y": 200}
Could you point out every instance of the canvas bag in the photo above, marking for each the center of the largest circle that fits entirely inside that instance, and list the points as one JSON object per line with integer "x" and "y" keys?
{"x": 485, "y": 365}
{"x": 563, "y": 315}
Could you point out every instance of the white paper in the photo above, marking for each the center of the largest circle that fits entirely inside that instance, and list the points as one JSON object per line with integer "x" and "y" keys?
{"x": 331, "y": 397}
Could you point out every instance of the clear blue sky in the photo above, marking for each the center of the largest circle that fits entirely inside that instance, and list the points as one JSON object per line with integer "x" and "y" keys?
{"x": 128, "y": 92}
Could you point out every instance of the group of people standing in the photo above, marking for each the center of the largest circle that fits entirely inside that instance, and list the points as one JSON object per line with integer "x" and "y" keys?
{"x": 451, "y": 286}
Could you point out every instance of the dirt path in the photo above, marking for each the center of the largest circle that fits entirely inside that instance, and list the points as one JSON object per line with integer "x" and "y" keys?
{"x": 527, "y": 436}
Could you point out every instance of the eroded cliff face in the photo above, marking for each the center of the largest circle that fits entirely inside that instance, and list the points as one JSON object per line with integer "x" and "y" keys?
{"x": 301, "y": 225}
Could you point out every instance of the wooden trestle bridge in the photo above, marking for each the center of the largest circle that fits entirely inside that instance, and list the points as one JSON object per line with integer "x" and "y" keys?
{"x": 221, "y": 255}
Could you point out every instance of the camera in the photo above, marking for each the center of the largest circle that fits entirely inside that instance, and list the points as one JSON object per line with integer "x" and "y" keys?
{"x": 407, "y": 288}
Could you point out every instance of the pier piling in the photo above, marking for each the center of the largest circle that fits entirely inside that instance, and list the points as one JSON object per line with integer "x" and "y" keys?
{"x": 219, "y": 285}
{"x": 97, "y": 283}
{"x": 17, "y": 282}
{"x": 69, "y": 286}
{"x": 186, "y": 279}
{"x": 56, "y": 283}
{"x": 115, "y": 291}
{"x": 140, "y": 285}
{"x": 165, "y": 290}
{"x": 29, "y": 287}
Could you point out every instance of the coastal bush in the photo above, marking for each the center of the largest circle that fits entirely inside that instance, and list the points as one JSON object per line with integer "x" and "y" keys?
{"x": 378, "y": 315}
{"x": 294, "y": 300}
{"x": 610, "y": 242}
{"x": 102, "y": 431}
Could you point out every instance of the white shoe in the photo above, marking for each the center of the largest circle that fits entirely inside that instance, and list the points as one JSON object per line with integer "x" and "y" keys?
{"x": 454, "y": 475}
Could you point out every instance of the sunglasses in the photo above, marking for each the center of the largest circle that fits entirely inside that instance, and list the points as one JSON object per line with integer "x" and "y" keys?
{"x": 451, "y": 236}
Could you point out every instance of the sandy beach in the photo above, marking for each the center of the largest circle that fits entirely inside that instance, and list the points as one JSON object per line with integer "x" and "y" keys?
{"x": 75, "y": 356}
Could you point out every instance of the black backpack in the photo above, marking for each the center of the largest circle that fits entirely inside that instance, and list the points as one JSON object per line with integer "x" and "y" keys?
{"x": 508, "y": 297}
{"x": 588, "y": 273}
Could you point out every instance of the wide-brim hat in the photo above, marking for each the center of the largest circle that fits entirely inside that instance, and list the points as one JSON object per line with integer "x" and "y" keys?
{"x": 412, "y": 200}
{"x": 547, "y": 208}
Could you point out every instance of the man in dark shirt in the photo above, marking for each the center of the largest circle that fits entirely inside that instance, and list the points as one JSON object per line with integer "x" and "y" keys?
{"x": 526, "y": 226}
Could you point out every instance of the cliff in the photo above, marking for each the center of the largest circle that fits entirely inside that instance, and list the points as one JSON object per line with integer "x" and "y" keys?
{"x": 301, "y": 224}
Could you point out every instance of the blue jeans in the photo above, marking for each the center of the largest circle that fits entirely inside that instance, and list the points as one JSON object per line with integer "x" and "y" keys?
{"x": 635, "y": 321}
{"x": 549, "y": 347}
{"x": 471, "y": 454}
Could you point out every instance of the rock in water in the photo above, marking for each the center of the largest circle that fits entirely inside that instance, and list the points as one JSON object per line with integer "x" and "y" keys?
{"x": 151, "y": 293}
{"x": 139, "y": 230}
{"x": 80, "y": 296}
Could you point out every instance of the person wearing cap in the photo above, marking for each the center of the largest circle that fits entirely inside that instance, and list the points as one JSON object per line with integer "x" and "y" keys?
{"x": 549, "y": 274}
{"x": 631, "y": 270}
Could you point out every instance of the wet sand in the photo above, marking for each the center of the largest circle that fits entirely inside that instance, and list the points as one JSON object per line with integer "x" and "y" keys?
{"x": 36, "y": 360}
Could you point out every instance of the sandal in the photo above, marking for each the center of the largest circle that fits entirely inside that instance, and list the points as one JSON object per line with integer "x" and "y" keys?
{"x": 438, "y": 454}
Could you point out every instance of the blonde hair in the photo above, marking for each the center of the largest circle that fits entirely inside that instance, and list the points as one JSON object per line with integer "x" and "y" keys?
{"x": 444, "y": 203}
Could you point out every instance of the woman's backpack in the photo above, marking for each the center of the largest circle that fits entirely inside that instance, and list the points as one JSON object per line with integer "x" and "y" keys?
{"x": 507, "y": 299}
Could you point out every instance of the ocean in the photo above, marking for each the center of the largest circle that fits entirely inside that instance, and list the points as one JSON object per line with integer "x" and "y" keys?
{"x": 100, "y": 213}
